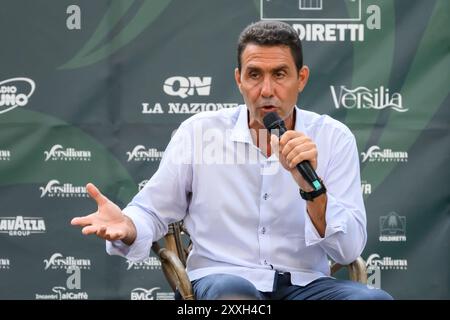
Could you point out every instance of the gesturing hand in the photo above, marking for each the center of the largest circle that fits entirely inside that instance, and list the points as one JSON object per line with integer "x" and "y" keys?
{"x": 108, "y": 222}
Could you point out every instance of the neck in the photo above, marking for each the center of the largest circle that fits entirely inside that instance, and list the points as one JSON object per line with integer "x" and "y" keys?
{"x": 260, "y": 135}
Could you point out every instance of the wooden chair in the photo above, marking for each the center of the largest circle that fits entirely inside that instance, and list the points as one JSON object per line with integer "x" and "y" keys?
{"x": 173, "y": 260}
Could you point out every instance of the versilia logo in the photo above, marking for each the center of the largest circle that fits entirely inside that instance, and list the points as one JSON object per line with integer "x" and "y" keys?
{"x": 66, "y": 190}
{"x": 57, "y": 152}
{"x": 385, "y": 263}
{"x": 142, "y": 184}
{"x": 141, "y": 153}
{"x": 58, "y": 261}
{"x": 374, "y": 153}
{"x": 5, "y": 155}
{"x": 150, "y": 263}
{"x": 364, "y": 98}
{"x": 21, "y": 226}
{"x": 15, "y": 92}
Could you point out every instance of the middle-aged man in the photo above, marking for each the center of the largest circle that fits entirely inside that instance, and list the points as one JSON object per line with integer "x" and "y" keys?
{"x": 237, "y": 189}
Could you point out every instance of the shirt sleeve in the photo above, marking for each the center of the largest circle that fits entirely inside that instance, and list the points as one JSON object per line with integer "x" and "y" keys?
{"x": 152, "y": 210}
{"x": 345, "y": 233}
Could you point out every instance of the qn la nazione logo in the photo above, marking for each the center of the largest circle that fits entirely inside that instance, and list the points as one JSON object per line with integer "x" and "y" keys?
{"x": 325, "y": 20}
{"x": 58, "y": 261}
{"x": 5, "y": 155}
{"x": 58, "y": 152}
{"x": 15, "y": 92}
{"x": 54, "y": 189}
{"x": 364, "y": 98}
{"x": 151, "y": 294}
{"x": 150, "y": 263}
{"x": 386, "y": 263}
{"x": 376, "y": 154}
{"x": 4, "y": 263}
{"x": 366, "y": 188}
{"x": 186, "y": 87}
{"x": 141, "y": 153}
{"x": 392, "y": 227}
{"x": 22, "y": 226}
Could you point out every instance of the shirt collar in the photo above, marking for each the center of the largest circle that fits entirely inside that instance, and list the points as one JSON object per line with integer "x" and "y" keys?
{"x": 241, "y": 131}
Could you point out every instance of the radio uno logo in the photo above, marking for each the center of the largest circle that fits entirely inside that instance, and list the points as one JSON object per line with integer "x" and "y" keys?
{"x": 392, "y": 227}
{"x": 21, "y": 226}
{"x": 150, "y": 263}
{"x": 57, "y": 152}
{"x": 151, "y": 294}
{"x": 4, "y": 263}
{"x": 374, "y": 153}
{"x": 140, "y": 153}
{"x": 364, "y": 98}
{"x": 67, "y": 190}
{"x": 57, "y": 261}
{"x": 15, "y": 93}
{"x": 5, "y": 155}
{"x": 386, "y": 263}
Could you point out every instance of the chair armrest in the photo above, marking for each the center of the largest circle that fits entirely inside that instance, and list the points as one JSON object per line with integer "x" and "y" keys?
{"x": 356, "y": 270}
{"x": 175, "y": 272}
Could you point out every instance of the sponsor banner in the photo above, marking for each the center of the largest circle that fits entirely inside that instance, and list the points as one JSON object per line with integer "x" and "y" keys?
{"x": 150, "y": 263}
{"x": 393, "y": 228}
{"x": 15, "y": 92}
{"x": 5, "y": 155}
{"x": 58, "y": 261}
{"x": 151, "y": 294}
{"x": 58, "y": 153}
{"x": 141, "y": 153}
{"x": 4, "y": 263}
{"x": 55, "y": 189}
{"x": 376, "y": 154}
{"x": 22, "y": 226}
{"x": 386, "y": 263}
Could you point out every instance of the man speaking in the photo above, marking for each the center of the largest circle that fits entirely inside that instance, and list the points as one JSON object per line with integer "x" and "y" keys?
{"x": 259, "y": 229}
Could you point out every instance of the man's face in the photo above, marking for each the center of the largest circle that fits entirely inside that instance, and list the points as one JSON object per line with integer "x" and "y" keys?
{"x": 269, "y": 82}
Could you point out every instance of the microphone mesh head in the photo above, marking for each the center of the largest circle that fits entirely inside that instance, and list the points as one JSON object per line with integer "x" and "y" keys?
{"x": 271, "y": 120}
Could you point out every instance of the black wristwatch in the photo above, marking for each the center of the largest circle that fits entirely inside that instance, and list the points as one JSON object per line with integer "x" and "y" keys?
{"x": 309, "y": 196}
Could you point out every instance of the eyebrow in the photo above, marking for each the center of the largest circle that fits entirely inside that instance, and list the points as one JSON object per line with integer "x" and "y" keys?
{"x": 277, "y": 68}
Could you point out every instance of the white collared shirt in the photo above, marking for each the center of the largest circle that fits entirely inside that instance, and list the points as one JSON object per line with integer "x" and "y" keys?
{"x": 243, "y": 210}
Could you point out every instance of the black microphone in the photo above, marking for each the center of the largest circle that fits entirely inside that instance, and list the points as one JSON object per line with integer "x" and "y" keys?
{"x": 273, "y": 122}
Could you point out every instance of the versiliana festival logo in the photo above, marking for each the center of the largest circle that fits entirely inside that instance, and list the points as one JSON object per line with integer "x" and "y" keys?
{"x": 58, "y": 152}
{"x": 58, "y": 261}
{"x": 54, "y": 189}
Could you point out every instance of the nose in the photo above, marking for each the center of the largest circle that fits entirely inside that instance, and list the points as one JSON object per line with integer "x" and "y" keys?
{"x": 267, "y": 88}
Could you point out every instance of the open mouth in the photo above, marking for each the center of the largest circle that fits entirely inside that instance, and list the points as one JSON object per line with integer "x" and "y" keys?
{"x": 269, "y": 108}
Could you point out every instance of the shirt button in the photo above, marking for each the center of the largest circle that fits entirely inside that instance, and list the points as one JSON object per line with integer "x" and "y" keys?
{"x": 263, "y": 230}
{"x": 266, "y": 196}
{"x": 265, "y": 262}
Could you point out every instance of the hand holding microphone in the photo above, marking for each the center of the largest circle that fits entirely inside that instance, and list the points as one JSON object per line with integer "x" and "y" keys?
{"x": 294, "y": 153}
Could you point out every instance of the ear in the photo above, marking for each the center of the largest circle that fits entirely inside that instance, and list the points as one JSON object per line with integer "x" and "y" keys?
{"x": 303, "y": 76}
{"x": 237, "y": 77}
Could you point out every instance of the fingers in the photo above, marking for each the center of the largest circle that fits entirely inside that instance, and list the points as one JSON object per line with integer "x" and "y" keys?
{"x": 307, "y": 155}
{"x": 81, "y": 221}
{"x": 103, "y": 232}
{"x": 96, "y": 194}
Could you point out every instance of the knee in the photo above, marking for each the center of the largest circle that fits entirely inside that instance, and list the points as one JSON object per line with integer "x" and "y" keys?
{"x": 373, "y": 294}
{"x": 230, "y": 287}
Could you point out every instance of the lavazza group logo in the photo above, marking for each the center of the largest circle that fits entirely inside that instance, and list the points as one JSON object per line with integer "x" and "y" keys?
{"x": 15, "y": 92}
{"x": 150, "y": 263}
{"x": 151, "y": 294}
{"x": 58, "y": 152}
{"x": 319, "y": 20}
{"x": 376, "y": 154}
{"x": 58, "y": 261}
{"x": 184, "y": 87}
{"x": 22, "y": 226}
{"x": 54, "y": 189}
{"x": 141, "y": 153}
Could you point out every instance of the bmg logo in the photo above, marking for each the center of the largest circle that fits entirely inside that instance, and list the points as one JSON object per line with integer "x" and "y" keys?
{"x": 185, "y": 87}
